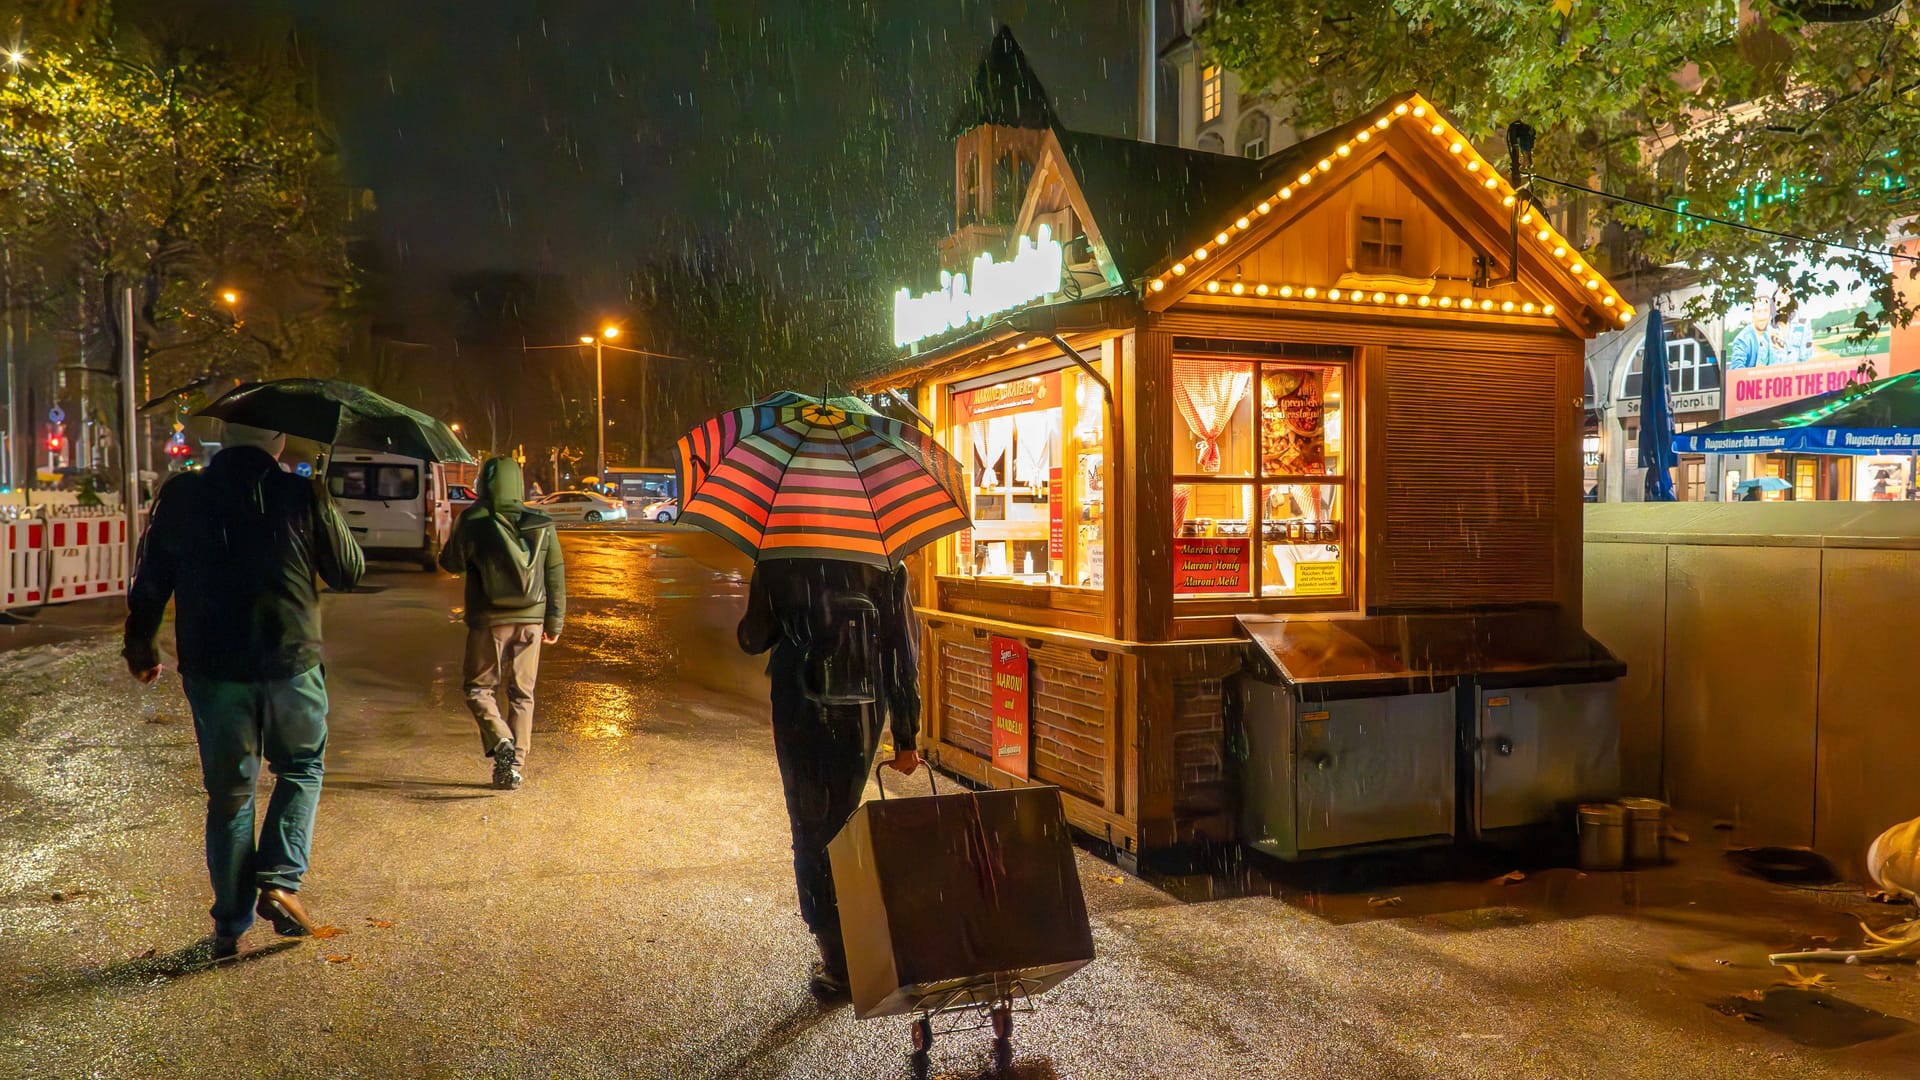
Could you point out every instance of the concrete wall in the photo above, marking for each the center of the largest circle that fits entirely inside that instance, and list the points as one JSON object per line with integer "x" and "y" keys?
{"x": 1772, "y": 670}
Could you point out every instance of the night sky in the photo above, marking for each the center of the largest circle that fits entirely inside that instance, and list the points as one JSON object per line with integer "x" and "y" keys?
{"x": 587, "y": 137}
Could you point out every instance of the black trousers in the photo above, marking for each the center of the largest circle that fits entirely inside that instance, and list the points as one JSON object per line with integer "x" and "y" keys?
{"x": 825, "y": 757}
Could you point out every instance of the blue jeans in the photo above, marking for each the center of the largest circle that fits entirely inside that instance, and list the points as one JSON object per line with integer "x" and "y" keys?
{"x": 237, "y": 724}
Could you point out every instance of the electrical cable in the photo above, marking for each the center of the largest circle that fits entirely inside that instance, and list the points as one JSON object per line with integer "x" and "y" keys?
{"x": 1883, "y": 252}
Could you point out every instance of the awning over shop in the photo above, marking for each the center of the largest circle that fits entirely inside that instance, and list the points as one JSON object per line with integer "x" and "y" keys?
{"x": 1873, "y": 418}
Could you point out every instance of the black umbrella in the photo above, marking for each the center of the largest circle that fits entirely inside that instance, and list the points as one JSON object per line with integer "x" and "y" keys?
{"x": 339, "y": 414}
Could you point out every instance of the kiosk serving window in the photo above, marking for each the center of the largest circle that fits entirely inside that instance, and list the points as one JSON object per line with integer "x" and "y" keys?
{"x": 1034, "y": 448}
{"x": 1259, "y": 463}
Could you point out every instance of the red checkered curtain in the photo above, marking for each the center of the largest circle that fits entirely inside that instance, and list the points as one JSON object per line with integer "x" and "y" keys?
{"x": 1182, "y": 498}
{"x": 1206, "y": 393}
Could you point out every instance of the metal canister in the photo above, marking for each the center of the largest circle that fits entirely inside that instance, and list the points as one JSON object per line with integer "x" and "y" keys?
{"x": 1603, "y": 836}
{"x": 1646, "y": 831}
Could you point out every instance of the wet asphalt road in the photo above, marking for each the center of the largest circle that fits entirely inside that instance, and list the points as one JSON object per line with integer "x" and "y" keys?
{"x": 630, "y": 912}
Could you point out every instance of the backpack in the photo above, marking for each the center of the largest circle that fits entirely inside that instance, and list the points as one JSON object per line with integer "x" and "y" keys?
{"x": 512, "y": 571}
{"x": 843, "y": 653}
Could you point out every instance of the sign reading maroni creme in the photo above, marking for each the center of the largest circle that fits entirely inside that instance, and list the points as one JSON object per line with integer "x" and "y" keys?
{"x": 989, "y": 289}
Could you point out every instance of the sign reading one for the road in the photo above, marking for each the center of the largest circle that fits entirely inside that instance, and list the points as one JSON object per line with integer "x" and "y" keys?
{"x": 1012, "y": 706}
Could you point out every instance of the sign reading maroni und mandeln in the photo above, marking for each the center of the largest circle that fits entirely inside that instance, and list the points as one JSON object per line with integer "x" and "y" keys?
{"x": 989, "y": 289}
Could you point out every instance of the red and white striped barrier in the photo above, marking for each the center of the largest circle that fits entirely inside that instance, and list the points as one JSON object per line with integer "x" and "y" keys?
{"x": 23, "y": 563}
{"x": 89, "y": 558}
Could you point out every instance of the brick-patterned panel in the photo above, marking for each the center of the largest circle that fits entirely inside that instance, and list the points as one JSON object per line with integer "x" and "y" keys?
{"x": 1071, "y": 746}
{"x": 966, "y": 697}
{"x": 1199, "y": 746}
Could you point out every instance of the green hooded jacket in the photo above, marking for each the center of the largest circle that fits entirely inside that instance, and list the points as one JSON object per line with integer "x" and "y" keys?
{"x": 494, "y": 546}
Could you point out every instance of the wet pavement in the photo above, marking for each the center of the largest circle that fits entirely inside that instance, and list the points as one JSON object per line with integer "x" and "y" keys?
{"x": 630, "y": 912}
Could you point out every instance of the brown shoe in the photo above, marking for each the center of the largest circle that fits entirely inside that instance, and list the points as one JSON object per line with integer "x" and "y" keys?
{"x": 284, "y": 910}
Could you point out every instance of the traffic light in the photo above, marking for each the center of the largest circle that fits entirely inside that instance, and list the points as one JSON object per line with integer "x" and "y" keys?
{"x": 56, "y": 442}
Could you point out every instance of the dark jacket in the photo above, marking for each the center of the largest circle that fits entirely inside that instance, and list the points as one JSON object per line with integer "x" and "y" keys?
{"x": 782, "y": 605}
{"x": 491, "y": 536}
{"x": 238, "y": 546}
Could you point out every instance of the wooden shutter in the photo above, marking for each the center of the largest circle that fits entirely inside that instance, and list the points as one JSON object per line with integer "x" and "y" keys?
{"x": 1470, "y": 497}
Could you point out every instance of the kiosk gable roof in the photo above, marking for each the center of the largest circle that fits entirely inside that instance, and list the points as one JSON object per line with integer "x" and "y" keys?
{"x": 1411, "y": 128}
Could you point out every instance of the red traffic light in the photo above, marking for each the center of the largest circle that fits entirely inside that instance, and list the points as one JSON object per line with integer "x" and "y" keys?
{"x": 55, "y": 443}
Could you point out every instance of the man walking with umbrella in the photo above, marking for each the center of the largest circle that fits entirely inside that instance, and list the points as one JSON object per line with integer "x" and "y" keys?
{"x": 829, "y": 497}
{"x": 237, "y": 547}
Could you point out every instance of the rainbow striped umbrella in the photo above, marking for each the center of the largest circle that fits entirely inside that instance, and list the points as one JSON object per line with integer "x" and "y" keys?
{"x": 797, "y": 477}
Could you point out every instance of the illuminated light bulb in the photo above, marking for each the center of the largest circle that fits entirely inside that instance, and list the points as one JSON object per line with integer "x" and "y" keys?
{"x": 1419, "y": 110}
{"x": 1311, "y": 292}
{"x": 1507, "y": 306}
{"x": 1220, "y": 238}
{"x": 1486, "y": 305}
{"x": 1363, "y": 136}
{"x": 1179, "y": 268}
{"x": 1344, "y": 149}
{"x": 1609, "y": 301}
{"x": 1473, "y": 166}
{"x": 1593, "y": 283}
{"x": 1494, "y": 181}
{"x": 1425, "y": 300}
{"x": 1333, "y": 294}
{"x": 1626, "y": 316}
{"x": 1158, "y": 284}
{"x": 1401, "y": 299}
{"x": 1238, "y": 289}
{"x": 1508, "y": 201}
{"x": 1438, "y": 129}
{"x": 1199, "y": 254}
{"x": 1379, "y": 298}
{"x": 1286, "y": 193}
{"x": 1527, "y": 307}
{"x": 1456, "y": 146}
{"x": 1260, "y": 290}
{"x": 1559, "y": 251}
{"x": 1305, "y": 179}
{"x": 1264, "y": 207}
{"x": 1326, "y": 165}
{"x": 1287, "y": 290}
{"x": 1526, "y": 218}
{"x": 1542, "y": 235}
{"x": 1576, "y": 267}
{"x": 1400, "y": 109}
{"x": 1241, "y": 224}
{"x": 1446, "y": 301}
{"x": 1548, "y": 310}
{"x": 1213, "y": 286}
{"x": 1382, "y": 123}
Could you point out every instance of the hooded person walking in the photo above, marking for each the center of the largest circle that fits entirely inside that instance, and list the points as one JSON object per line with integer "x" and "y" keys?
{"x": 237, "y": 548}
{"x": 516, "y": 601}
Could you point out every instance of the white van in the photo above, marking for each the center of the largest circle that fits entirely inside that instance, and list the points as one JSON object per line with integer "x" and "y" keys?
{"x": 390, "y": 503}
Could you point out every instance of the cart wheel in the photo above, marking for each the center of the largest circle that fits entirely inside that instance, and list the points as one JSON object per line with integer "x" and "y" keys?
{"x": 922, "y": 1035}
{"x": 1003, "y": 1039}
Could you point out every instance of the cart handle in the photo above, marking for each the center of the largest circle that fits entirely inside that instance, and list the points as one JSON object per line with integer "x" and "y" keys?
{"x": 932, "y": 784}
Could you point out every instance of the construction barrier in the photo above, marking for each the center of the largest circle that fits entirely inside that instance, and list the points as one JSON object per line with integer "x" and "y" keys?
{"x": 23, "y": 563}
{"x": 71, "y": 555}
{"x": 89, "y": 558}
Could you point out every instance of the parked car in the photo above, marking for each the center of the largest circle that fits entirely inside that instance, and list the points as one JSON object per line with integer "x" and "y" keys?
{"x": 666, "y": 512}
{"x": 388, "y": 502}
{"x": 579, "y": 506}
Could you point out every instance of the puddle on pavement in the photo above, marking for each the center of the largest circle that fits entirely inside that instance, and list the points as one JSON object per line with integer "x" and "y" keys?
{"x": 1811, "y": 1018}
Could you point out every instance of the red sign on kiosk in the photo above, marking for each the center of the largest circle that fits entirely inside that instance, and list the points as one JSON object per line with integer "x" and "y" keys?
{"x": 1056, "y": 515}
{"x": 1212, "y": 565}
{"x": 1012, "y": 706}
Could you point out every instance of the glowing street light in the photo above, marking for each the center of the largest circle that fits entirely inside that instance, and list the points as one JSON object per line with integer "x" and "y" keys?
{"x": 229, "y": 297}
{"x": 16, "y": 57}
{"x": 609, "y": 332}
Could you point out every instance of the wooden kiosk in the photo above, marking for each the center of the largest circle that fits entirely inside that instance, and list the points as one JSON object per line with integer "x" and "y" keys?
{"x": 1338, "y": 382}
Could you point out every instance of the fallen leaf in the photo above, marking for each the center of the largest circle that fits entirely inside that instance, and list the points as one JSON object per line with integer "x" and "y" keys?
{"x": 327, "y": 931}
{"x": 1799, "y": 980}
{"x": 381, "y": 923}
{"x": 1513, "y": 877}
{"x": 1879, "y": 976}
{"x": 1114, "y": 879}
{"x": 1677, "y": 836}
{"x": 339, "y": 958}
{"x": 1384, "y": 901}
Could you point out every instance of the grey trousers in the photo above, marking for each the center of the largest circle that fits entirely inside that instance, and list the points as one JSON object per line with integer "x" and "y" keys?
{"x": 512, "y": 651}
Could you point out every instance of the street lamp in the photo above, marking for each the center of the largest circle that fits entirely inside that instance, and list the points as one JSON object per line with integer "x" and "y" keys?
{"x": 229, "y": 297}
{"x": 599, "y": 343}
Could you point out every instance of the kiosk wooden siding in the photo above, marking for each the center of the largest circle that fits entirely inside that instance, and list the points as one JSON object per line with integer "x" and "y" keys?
{"x": 1461, "y": 447}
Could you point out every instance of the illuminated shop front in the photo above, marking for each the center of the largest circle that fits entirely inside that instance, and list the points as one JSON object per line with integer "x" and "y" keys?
{"x": 1257, "y": 389}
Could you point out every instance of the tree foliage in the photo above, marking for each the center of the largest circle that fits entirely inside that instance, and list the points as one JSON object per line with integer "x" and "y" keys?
{"x": 140, "y": 157}
{"x": 1749, "y": 111}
